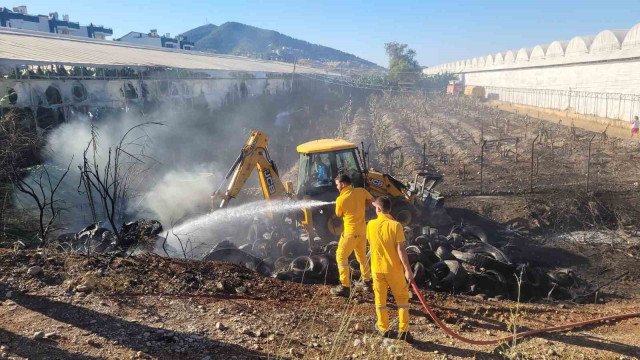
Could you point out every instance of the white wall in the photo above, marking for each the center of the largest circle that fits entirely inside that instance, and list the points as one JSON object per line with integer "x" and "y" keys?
{"x": 43, "y": 25}
{"x": 593, "y": 75}
{"x": 26, "y": 25}
{"x": 608, "y": 89}
{"x": 79, "y": 32}
{"x": 31, "y": 93}
{"x": 611, "y": 77}
{"x": 145, "y": 40}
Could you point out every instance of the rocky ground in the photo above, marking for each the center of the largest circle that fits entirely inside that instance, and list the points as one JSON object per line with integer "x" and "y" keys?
{"x": 70, "y": 307}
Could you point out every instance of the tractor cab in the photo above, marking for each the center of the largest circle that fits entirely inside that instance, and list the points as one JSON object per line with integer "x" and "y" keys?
{"x": 320, "y": 163}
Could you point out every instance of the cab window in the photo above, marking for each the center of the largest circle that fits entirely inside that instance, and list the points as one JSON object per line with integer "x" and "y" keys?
{"x": 347, "y": 164}
{"x": 317, "y": 171}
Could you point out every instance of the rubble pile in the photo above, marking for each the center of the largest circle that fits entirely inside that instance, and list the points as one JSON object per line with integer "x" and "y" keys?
{"x": 97, "y": 239}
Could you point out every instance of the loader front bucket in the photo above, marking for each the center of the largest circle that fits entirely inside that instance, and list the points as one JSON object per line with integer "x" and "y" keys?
{"x": 434, "y": 213}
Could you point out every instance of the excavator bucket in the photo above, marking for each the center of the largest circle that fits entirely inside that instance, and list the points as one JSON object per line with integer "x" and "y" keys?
{"x": 433, "y": 211}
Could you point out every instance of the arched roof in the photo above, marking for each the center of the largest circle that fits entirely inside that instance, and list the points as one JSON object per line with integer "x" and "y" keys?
{"x": 509, "y": 57}
{"x": 538, "y": 52}
{"x": 556, "y": 49}
{"x": 607, "y": 40}
{"x": 523, "y": 55}
{"x": 488, "y": 61}
{"x": 604, "y": 42}
{"x": 498, "y": 59}
{"x": 632, "y": 39}
{"x": 579, "y": 45}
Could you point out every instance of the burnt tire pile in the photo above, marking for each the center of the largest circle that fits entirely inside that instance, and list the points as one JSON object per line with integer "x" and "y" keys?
{"x": 97, "y": 239}
{"x": 463, "y": 262}
{"x": 288, "y": 260}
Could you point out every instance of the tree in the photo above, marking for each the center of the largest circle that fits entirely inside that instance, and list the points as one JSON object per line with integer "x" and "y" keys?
{"x": 403, "y": 67}
{"x": 19, "y": 145}
{"x": 110, "y": 180}
{"x": 437, "y": 81}
{"x": 41, "y": 188}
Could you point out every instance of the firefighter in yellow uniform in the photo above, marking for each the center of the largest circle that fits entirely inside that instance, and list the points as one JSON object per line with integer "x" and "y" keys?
{"x": 350, "y": 206}
{"x": 390, "y": 267}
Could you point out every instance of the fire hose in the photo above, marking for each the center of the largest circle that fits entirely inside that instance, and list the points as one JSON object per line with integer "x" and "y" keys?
{"x": 519, "y": 335}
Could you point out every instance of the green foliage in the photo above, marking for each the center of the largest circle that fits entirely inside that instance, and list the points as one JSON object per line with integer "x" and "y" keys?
{"x": 371, "y": 80}
{"x": 403, "y": 67}
{"x": 436, "y": 81}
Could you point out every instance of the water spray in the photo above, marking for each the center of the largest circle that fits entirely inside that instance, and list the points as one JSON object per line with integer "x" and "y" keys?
{"x": 201, "y": 229}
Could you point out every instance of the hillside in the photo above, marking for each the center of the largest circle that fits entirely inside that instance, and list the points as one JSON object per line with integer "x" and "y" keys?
{"x": 198, "y": 33}
{"x": 241, "y": 39}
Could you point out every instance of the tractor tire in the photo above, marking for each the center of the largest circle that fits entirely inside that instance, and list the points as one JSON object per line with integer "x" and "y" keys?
{"x": 403, "y": 212}
{"x": 327, "y": 226}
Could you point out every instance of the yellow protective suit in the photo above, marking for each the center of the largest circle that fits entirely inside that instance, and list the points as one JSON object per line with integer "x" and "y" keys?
{"x": 350, "y": 206}
{"x": 384, "y": 234}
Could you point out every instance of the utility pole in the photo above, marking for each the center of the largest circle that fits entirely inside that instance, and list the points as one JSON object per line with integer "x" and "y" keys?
{"x": 293, "y": 74}
{"x": 533, "y": 145}
{"x": 589, "y": 164}
{"x": 484, "y": 142}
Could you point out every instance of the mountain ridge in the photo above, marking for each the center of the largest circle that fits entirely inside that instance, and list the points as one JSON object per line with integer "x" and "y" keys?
{"x": 241, "y": 39}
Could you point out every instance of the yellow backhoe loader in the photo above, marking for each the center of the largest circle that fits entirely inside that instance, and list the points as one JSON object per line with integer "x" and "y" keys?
{"x": 320, "y": 162}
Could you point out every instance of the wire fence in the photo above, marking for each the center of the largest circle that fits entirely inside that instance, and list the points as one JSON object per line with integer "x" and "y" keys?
{"x": 615, "y": 106}
{"x": 484, "y": 150}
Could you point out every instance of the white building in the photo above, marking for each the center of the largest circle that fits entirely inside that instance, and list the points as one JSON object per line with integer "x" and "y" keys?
{"x": 19, "y": 18}
{"x": 153, "y": 39}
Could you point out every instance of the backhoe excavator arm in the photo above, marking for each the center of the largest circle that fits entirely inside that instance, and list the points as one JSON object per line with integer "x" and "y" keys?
{"x": 254, "y": 154}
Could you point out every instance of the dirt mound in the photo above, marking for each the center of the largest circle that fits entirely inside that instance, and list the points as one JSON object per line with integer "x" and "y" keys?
{"x": 140, "y": 275}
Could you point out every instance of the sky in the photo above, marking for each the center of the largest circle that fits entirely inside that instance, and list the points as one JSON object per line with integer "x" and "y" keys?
{"x": 439, "y": 31}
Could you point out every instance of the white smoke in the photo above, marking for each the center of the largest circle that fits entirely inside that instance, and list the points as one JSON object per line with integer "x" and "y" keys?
{"x": 178, "y": 194}
{"x": 162, "y": 184}
{"x": 179, "y": 163}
